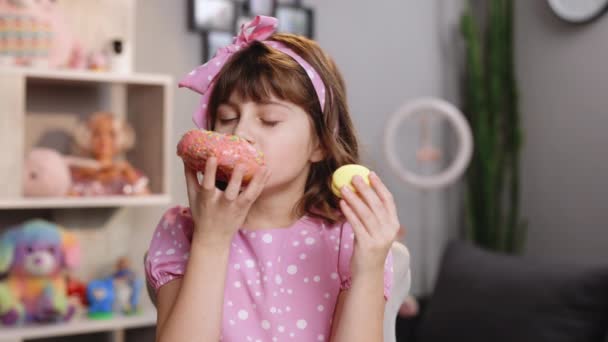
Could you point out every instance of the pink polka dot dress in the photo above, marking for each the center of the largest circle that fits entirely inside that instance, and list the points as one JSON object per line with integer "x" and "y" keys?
{"x": 282, "y": 284}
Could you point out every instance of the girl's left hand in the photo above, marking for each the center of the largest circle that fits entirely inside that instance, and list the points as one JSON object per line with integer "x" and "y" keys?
{"x": 373, "y": 215}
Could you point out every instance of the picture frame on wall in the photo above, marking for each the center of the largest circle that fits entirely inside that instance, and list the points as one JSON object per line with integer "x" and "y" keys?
{"x": 243, "y": 15}
{"x": 289, "y": 2}
{"x": 295, "y": 19}
{"x": 219, "y": 21}
{"x": 212, "y": 15}
{"x": 242, "y": 19}
{"x": 214, "y": 40}
{"x": 261, "y": 7}
{"x": 248, "y": 9}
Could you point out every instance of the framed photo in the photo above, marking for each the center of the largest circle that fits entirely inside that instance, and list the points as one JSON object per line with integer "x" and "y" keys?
{"x": 243, "y": 15}
{"x": 212, "y": 15}
{"x": 240, "y": 21}
{"x": 295, "y": 19}
{"x": 289, "y": 2}
{"x": 262, "y": 7}
{"x": 248, "y": 9}
{"x": 214, "y": 40}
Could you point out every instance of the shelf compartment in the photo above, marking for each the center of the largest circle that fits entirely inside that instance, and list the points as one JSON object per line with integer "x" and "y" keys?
{"x": 44, "y": 105}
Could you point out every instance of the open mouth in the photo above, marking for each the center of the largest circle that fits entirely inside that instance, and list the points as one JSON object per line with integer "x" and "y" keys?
{"x": 221, "y": 184}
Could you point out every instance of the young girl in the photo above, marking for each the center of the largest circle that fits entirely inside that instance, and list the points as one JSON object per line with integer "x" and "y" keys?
{"x": 282, "y": 259}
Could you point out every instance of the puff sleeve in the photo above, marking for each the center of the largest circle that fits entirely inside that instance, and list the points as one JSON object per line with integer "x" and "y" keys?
{"x": 170, "y": 247}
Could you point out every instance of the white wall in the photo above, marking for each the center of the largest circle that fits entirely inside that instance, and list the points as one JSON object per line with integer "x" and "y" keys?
{"x": 563, "y": 79}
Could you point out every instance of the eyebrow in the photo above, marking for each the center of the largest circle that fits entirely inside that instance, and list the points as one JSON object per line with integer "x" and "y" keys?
{"x": 265, "y": 103}
{"x": 229, "y": 104}
{"x": 235, "y": 106}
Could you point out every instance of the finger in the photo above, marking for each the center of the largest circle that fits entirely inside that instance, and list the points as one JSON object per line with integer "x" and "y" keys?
{"x": 370, "y": 197}
{"x": 365, "y": 215}
{"x": 210, "y": 172}
{"x": 383, "y": 193}
{"x": 191, "y": 183}
{"x": 255, "y": 187}
{"x": 358, "y": 227}
{"x": 234, "y": 185}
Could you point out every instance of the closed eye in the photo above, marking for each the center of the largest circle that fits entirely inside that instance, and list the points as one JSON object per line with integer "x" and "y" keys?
{"x": 270, "y": 123}
{"x": 226, "y": 121}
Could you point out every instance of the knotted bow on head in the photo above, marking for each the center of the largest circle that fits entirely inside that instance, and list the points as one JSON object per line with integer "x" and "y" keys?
{"x": 202, "y": 79}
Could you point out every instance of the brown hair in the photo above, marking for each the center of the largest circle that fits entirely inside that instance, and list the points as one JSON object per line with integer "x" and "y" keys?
{"x": 258, "y": 72}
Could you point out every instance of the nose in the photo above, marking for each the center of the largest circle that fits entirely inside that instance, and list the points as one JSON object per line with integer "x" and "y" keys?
{"x": 243, "y": 130}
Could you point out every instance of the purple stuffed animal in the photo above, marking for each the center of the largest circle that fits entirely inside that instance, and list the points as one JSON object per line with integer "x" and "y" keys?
{"x": 32, "y": 257}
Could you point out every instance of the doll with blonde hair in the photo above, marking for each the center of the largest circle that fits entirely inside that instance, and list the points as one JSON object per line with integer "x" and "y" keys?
{"x": 105, "y": 138}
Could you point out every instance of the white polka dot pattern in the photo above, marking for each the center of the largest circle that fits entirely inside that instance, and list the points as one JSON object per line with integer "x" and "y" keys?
{"x": 275, "y": 290}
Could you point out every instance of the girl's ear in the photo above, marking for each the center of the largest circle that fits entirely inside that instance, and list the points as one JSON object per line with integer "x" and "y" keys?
{"x": 70, "y": 248}
{"x": 317, "y": 154}
{"x": 318, "y": 151}
{"x": 7, "y": 249}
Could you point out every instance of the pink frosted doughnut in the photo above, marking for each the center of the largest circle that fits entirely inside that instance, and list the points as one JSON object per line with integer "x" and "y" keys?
{"x": 198, "y": 145}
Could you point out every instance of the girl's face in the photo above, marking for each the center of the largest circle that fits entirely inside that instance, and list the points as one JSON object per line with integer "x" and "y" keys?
{"x": 281, "y": 130}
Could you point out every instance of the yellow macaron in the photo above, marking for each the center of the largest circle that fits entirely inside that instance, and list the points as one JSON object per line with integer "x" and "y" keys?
{"x": 344, "y": 175}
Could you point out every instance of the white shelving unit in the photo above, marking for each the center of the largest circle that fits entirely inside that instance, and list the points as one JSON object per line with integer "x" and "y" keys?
{"x": 38, "y": 103}
{"x": 115, "y": 326}
{"x": 37, "y": 107}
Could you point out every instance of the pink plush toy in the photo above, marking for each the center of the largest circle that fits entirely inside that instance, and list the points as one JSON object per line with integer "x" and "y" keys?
{"x": 46, "y": 173}
{"x": 33, "y": 257}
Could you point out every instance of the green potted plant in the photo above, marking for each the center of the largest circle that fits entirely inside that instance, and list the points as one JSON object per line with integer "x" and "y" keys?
{"x": 491, "y": 106}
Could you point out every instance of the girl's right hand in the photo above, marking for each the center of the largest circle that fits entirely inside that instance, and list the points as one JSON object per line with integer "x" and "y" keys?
{"x": 218, "y": 214}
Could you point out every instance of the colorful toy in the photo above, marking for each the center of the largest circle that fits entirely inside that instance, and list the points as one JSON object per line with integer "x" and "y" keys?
{"x": 100, "y": 295}
{"x": 128, "y": 287}
{"x": 46, "y": 173}
{"x": 105, "y": 137}
{"x": 344, "y": 175}
{"x": 196, "y": 146}
{"x": 33, "y": 256}
{"x": 34, "y": 33}
{"x": 98, "y": 61}
{"x": 77, "y": 289}
{"x": 119, "y": 292}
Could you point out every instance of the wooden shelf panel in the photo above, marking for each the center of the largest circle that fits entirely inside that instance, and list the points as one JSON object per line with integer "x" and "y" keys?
{"x": 78, "y": 326}
{"x": 78, "y": 76}
{"x": 84, "y": 202}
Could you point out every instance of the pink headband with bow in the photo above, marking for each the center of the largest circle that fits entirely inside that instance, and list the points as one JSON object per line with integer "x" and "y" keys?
{"x": 202, "y": 79}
